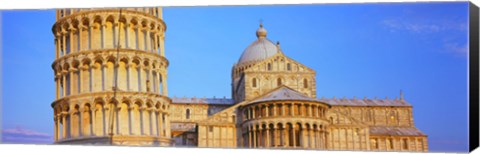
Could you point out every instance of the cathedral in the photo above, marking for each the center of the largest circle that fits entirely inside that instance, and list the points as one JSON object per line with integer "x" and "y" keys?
{"x": 110, "y": 72}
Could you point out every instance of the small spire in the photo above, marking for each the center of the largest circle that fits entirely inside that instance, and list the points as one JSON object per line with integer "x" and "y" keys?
{"x": 401, "y": 95}
{"x": 261, "y": 32}
{"x": 278, "y": 47}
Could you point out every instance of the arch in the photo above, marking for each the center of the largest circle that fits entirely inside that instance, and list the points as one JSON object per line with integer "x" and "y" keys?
{"x": 109, "y": 37}
{"x": 122, "y": 32}
{"x": 86, "y": 76}
{"x": 305, "y": 83}
{"x": 187, "y": 114}
{"x": 75, "y": 122}
{"x": 75, "y": 37}
{"x": 85, "y": 33}
{"x": 99, "y": 115}
{"x": 135, "y": 72}
{"x": 96, "y": 34}
{"x": 290, "y": 132}
{"x": 289, "y": 67}
{"x": 109, "y": 80}
{"x": 66, "y": 125}
{"x": 392, "y": 117}
{"x": 279, "y": 109}
{"x": 263, "y": 110}
{"x": 137, "y": 118}
{"x": 279, "y": 81}
{"x": 146, "y": 62}
{"x": 87, "y": 120}
{"x": 269, "y": 66}
{"x": 147, "y": 120}
{"x": 75, "y": 78}
{"x": 122, "y": 74}
{"x": 280, "y": 134}
{"x": 124, "y": 118}
{"x": 133, "y": 33}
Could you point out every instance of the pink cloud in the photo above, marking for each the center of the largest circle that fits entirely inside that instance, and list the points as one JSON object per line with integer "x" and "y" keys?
{"x": 22, "y": 135}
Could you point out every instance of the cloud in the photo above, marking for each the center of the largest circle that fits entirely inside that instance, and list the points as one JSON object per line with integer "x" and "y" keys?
{"x": 450, "y": 33}
{"x": 427, "y": 26}
{"x": 22, "y": 135}
{"x": 456, "y": 48}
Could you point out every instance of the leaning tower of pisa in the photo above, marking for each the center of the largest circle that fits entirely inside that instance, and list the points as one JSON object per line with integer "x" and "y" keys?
{"x": 98, "y": 50}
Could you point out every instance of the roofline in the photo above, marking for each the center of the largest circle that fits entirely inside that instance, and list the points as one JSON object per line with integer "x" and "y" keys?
{"x": 252, "y": 101}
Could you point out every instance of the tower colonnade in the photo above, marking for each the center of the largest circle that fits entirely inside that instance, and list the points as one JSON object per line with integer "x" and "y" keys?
{"x": 110, "y": 73}
{"x": 155, "y": 11}
{"x": 81, "y": 117}
{"x": 98, "y": 29}
{"x": 94, "y": 71}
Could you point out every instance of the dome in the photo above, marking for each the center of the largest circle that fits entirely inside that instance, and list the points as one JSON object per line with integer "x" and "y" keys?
{"x": 260, "y": 49}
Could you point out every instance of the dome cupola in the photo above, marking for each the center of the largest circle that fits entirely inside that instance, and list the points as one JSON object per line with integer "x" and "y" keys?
{"x": 260, "y": 49}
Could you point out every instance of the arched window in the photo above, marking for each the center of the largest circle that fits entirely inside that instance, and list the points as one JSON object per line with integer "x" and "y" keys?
{"x": 269, "y": 66}
{"x": 392, "y": 117}
{"x": 188, "y": 113}
{"x": 405, "y": 144}
{"x": 390, "y": 143}
{"x": 279, "y": 81}
{"x": 374, "y": 143}
{"x": 305, "y": 83}
{"x": 254, "y": 82}
{"x": 289, "y": 68}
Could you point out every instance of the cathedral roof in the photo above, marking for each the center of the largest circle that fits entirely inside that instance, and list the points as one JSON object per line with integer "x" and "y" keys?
{"x": 212, "y": 101}
{"x": 395, "y": 131}
{"x": 260, "y": 49}
{"x": 283, "y": 93}
{"x": 364, "y": 102}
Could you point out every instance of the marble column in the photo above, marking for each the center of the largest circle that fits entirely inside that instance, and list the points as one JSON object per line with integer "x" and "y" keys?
{"x": 312, "y": 138}
{"x": 57, "y": 85}
{"x": 254, "y": 136}
{"x": 286, "y": 137}
{"x": 168, "y": 126}
{"x": 267, "y": 137}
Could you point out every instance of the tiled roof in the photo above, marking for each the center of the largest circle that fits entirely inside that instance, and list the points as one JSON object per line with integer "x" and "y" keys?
{"x": 364, "y": 102}
{"x": 395, "y": 131}
{"x": 215, "y": 101}
{"x": 283, "y": 93}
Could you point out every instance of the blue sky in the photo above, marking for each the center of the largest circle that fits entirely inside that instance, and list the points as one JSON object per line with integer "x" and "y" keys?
{"x": 372, "y": 50}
